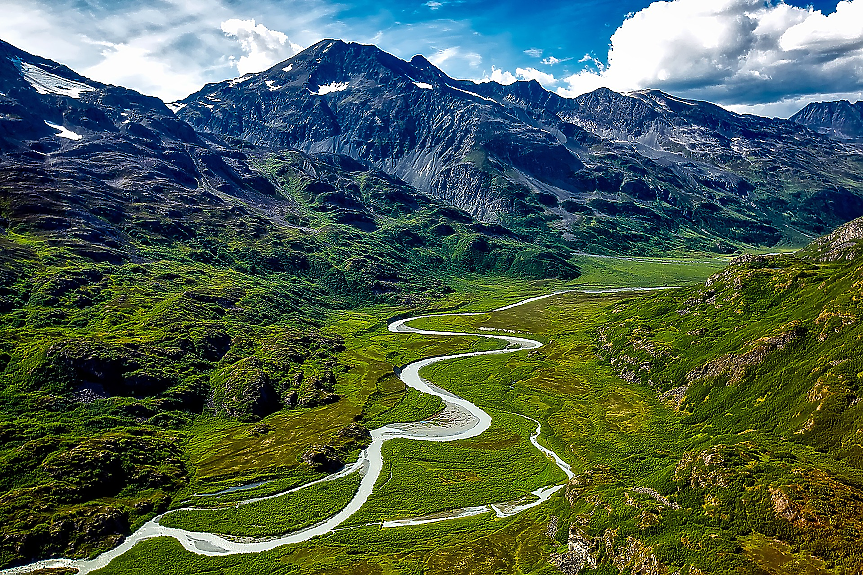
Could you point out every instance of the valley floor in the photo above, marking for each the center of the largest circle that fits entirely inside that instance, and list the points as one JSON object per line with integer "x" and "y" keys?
{"x": 626, "y": 509}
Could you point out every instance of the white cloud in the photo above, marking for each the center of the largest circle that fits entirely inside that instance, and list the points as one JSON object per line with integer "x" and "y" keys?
{"x": 840, "y": 30}
{"x": 789, "y": 106}
{"x": 744, "y": 52}
{"x": 534, "y": 52}
{"x": 433, "y": 5}
{"x": 534, "y": 74}
{"x": 551, "y": 60}
{"x": 157, "y": 48}
{"x": 504, "y": 77}
{"x": 135, "y": 64}
{"x": 443, "y": 55}
{"x": 263, "y": 47}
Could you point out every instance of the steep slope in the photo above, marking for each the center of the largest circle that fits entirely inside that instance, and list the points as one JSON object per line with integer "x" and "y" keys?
{"x": 781, "y": 325}
{"x": 643, "y": 172}
{"x": 764, "y": 363}
{"x": 407, "y": 118}
{"x": 841, "y": 119}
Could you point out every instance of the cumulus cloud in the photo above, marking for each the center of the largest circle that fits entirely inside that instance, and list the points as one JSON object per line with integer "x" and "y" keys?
{"x": 165, "y": 48}
{"x": 134, "y": 64}
{"x": 543, "y": 78}
{"x": 506, "y": 77}
{"x": 263, "y": 47}
{"x": 738, "y": 52}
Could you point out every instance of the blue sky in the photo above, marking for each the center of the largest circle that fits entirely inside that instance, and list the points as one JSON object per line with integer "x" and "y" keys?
{"x": 758, "y": 56}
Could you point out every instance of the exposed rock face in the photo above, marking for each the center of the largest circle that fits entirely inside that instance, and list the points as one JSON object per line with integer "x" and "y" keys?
{"x": 635, "y": 556}
{"x": 840, "y": 119}
{"x": 323, "y": 458}
{"x": 661, "y": 499}
{"x": 583, "y": 552}
{"x": 782, "y": 505}
{"x": 503, "y": 152}
{"x": 735, "y": 365}
{"x": 407, "y": 118}
{"x": 708, "y": 469}
{"x": 844, "y": 243}
{"x": 675, "y": 395}
{"x": 580, "y": 553}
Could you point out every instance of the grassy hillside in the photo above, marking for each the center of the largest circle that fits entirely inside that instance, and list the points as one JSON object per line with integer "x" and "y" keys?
{"x": 104, "y": 364}
{"x": 763, "y": 364}
{"x": 658, "y": 489}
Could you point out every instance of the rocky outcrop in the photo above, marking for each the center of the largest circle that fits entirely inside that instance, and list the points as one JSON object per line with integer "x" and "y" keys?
{"x": 331, "y": 457}
{"x": 579, "y": 555}
{"x": 630, "y": 555}
{"x": 735, "y": 365}
{"x": 782, "y": 505}
{"x": 661, "y": 499}
{"x": 708, "y": 469}
{"x": 244, "y": 391}
{"x": 844, "y": 243}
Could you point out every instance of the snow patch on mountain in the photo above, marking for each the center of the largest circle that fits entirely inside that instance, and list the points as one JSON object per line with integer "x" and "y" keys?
{"x": 240, "y": 80}
{"x": 64, "y": 131}
{"x": 45, "y": 82}
{"x": 423, "y": 85}
{"x": 333, "y": 87}
{"x": 472, "y": 94}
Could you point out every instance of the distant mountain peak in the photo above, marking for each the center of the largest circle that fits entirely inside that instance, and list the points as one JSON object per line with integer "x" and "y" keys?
{"x": 516, "y": 151}
{"x": 838, "y": 119}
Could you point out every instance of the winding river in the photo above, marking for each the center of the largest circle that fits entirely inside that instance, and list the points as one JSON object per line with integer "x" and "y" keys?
{"x": 460, "y": 419}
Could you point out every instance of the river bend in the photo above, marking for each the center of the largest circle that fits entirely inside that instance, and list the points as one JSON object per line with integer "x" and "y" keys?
{"x": 460, "y": 419}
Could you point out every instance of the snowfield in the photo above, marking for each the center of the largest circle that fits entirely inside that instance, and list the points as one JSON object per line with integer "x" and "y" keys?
{"x": 64, "y": 132}
{"x": 47, "y": 83}
{"x": 333, "y": 87}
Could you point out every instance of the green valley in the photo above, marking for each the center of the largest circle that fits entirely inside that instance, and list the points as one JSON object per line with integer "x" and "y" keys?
{"x": 351, "y": 316}
{"x": 728, "y": 484}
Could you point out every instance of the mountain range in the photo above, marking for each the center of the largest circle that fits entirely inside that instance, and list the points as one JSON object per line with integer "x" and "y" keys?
{"x": 164, "y": 261}
{"x": 636, "y": 172}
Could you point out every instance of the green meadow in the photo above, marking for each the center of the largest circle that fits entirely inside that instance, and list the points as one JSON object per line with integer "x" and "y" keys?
{"x": 586, "y": 415}
{"x": 723, "y": 484}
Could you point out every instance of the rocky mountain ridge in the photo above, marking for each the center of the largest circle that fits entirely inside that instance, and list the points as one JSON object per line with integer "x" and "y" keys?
{"x": 839, "y": 119}
{"x": 609, "y": 172}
